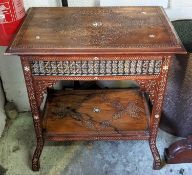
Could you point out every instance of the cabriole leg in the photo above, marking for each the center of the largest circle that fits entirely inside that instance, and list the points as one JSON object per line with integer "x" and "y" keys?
{"x": 156, "y": 112}
{"x": 152, "y": 143}
{"x": 156, "y": 88}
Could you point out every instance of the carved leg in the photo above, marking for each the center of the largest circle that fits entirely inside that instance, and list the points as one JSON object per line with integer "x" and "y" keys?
{"x": 35, "y": 109}
{"x": 37, "y": 154}
{"x": 155, "y": 89}
{"x": 155, "y": 119}
{"x": 152, "y": 143}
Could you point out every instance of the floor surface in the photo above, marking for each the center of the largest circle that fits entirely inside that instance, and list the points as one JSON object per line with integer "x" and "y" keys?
{"x": 81, "y": 158}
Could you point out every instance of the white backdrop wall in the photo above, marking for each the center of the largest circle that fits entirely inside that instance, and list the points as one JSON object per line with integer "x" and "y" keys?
{"x": 163, "y": 3}
{"x": 41, "y": 3}
{"x": 175, "y": 9}
{"x": 10, "y": 67}
{"x": 83, "y": 3}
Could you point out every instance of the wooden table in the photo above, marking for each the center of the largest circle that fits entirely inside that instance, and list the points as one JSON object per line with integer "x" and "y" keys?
{"x": 122, "y": 43}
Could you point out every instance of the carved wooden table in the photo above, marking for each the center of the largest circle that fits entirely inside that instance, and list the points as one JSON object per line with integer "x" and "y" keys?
{"x": 130, "y": 43}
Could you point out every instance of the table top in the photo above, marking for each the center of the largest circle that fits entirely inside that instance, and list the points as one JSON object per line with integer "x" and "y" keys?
{"x": 88, "y": 30}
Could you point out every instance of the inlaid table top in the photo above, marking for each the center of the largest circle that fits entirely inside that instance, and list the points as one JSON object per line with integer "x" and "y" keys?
{"x": 126, "y": 30}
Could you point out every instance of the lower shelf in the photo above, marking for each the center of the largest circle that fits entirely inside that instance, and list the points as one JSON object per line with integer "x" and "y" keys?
{"x": 96, "y": 115}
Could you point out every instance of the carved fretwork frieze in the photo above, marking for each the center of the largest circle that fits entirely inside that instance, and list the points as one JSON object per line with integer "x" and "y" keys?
{"x": 97, "y": 67}
{"x": 40, "y": 87}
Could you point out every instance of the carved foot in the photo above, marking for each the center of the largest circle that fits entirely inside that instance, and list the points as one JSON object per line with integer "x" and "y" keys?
{"x": 35, "y": 165}
{"x": 157, "y": 159}
{"x": 37, "y": 154}
{"x": 157, "y": 165}
{"x": 179, "y": 152}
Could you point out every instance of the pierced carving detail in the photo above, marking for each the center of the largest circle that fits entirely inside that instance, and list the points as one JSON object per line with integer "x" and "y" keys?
{"x": 41, "y": 88}
{"x": 150, "y": 87}
{"x": 96, "y": 67}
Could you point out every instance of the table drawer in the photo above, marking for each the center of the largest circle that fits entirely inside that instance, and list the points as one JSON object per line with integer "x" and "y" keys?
{"x": 96, "y": 67}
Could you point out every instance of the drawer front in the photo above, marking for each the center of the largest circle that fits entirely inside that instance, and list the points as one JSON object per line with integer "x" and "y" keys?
{"x": 96, "y": 67}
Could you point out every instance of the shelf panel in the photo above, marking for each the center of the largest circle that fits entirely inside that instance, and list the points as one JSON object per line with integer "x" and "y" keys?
{"x": 95, "y": 115}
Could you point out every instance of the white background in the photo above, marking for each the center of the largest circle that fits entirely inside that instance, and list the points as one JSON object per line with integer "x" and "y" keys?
{"x": 163, "y": 3}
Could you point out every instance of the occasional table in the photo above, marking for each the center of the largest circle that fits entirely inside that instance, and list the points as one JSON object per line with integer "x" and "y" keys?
{"x": 112, "y": 43}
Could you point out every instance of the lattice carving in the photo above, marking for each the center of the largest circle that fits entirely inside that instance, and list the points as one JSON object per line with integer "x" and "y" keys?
{"x": 96, "y": 67}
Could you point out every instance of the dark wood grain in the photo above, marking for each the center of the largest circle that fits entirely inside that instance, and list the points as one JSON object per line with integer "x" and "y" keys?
{"x": 72, "y": 113}
{"x": 93, "y": 29}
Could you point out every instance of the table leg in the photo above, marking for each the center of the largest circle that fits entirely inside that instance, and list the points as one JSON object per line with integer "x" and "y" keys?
{"x": 156, "y": 112}
{"x": 156, "y": 88}
{"x": 35, "y": 109}
{"x": 37, "y": 154}
{"x": 153, "y": 146}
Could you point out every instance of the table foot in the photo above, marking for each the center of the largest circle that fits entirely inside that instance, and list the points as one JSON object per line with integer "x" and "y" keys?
{"x": 157, "y": 165}
{"x": 35, "y": 166}
{"x": 37, "y": 154}
{"x": 157, "y": 159}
